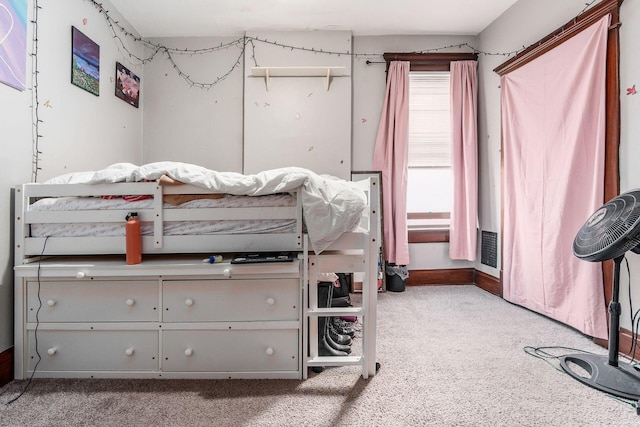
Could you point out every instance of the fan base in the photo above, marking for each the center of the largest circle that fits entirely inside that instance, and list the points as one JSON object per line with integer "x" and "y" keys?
{"x": 622, "y": 380}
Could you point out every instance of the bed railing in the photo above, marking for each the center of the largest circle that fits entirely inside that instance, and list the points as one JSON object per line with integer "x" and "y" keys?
{"x": 27, "y": 246}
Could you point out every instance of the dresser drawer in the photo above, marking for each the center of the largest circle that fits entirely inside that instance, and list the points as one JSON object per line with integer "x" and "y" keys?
{"x": 230, "y": 351}
{"x": 230, "y": 300}
{"x": 93, "y": 301}
{"x": 94, "y": 350}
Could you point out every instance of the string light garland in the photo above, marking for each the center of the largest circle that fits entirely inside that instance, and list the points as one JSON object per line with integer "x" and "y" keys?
{"x": 120, "y": 31}
{"x": 587, "y": 6}
{"x": 193, "y": 83}
{"x": 35, "y": 102}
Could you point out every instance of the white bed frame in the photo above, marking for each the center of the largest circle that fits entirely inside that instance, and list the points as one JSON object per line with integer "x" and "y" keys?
{"x": 27, "y": 246}
{"x": 70, "y": 268}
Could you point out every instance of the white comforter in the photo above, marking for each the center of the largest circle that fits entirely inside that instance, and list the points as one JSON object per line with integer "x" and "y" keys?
{"x": 331, "y": 206}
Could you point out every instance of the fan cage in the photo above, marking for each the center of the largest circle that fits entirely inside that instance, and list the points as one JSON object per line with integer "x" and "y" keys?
{"x": 611, "y": 231}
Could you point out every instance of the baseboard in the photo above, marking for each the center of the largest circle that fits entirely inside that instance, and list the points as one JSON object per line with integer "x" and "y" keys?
{"x": 626, "y": 341}
{"x": 453, "y": 276}
{"x": 6, "y": 366}
{"x": 488, "y": 283}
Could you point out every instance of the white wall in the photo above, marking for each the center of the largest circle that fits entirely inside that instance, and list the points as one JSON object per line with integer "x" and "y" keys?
{"x": 523, "y": 24}
{"x": 83, "y": 131}
{"x": 298, "y": 121}
{"x": 237, "y": 125}
{"x": 80, "y": 131}
{"x": 15, "y": 162}
{"x": 629, "y": 138}
{"x": 189, "y": 124}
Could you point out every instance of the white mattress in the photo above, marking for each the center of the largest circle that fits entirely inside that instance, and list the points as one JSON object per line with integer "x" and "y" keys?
{"x": 171, "y": 228}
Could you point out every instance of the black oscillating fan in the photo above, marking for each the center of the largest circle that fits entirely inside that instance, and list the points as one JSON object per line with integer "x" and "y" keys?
{"x": 609, "y": 233}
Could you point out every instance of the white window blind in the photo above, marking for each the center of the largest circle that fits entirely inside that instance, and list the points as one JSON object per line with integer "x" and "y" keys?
{"x": 429, "y": 119}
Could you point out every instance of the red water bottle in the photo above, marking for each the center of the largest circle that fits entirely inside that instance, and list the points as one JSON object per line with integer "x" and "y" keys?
{"x": 133, "y": 238}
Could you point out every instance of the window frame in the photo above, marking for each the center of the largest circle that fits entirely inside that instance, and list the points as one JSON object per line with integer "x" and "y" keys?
{"x": 439, "y": 61}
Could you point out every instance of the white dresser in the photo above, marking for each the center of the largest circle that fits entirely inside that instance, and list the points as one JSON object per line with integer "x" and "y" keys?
{"x": 165, "y": 318}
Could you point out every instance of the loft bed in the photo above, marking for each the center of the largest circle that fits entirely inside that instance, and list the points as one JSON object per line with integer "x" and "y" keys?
{"x": 329, "y": 224}
{"x": 292, "y": 202}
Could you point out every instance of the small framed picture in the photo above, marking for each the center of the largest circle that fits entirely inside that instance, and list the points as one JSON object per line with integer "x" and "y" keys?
{"x": 85, "y": 62}
{"x": 127, "y": 85}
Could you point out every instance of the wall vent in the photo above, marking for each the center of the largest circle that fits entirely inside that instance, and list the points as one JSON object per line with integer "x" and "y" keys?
{"x": 489, "y": 250}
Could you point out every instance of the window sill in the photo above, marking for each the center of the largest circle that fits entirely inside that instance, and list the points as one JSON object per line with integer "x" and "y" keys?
{"x": 425, "y": 235}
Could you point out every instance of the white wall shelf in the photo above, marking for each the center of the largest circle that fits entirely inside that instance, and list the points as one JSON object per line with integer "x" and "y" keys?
{"x": 326, "y": 72}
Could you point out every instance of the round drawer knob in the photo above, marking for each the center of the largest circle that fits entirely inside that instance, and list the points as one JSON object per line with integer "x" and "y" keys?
{"x": 271, "y": 301}
{"x": 226, "y": 272}
{"x": 51, "y": 302}
{"x": 52, "y": 351}
{"x": 269, "y": 351}
{"x": 130, "y": 302}
{"x": 129, "y": 352}
{"x": 80, "y": 275}
{"x": 188, "y": 302}
{"x": 188, "y": 352}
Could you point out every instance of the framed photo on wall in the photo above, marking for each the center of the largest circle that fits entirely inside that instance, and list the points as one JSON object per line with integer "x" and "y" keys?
{"x": 127, "y": 85}
{"x": 85, "y": 62}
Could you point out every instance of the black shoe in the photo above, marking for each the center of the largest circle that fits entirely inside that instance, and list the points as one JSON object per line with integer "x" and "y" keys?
{"x": 342, "y": 327}
{"x": 335, "y": 345}
{"x": 324, "y": 349}
{"x": 337, "y": 337}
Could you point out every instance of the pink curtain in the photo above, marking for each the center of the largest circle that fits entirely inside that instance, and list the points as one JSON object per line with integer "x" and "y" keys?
{"x": 553, "y": 127}
{"x": 391, "y": 157}
{"x": 464, "y": 160}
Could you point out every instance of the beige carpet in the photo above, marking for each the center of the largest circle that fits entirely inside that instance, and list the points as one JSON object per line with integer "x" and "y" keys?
{"x": 450, "y": 356}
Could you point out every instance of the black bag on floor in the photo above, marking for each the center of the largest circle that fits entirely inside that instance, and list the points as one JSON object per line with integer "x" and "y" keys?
{"x": 341, "y": 290}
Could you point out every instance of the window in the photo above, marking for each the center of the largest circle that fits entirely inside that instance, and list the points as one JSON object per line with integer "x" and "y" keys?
{"x": 429, "y": 186}
{"x": 429, "y": 183}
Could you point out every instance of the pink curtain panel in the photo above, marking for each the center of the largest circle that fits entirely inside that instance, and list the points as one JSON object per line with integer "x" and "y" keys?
{"x": 553, "y": 129}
